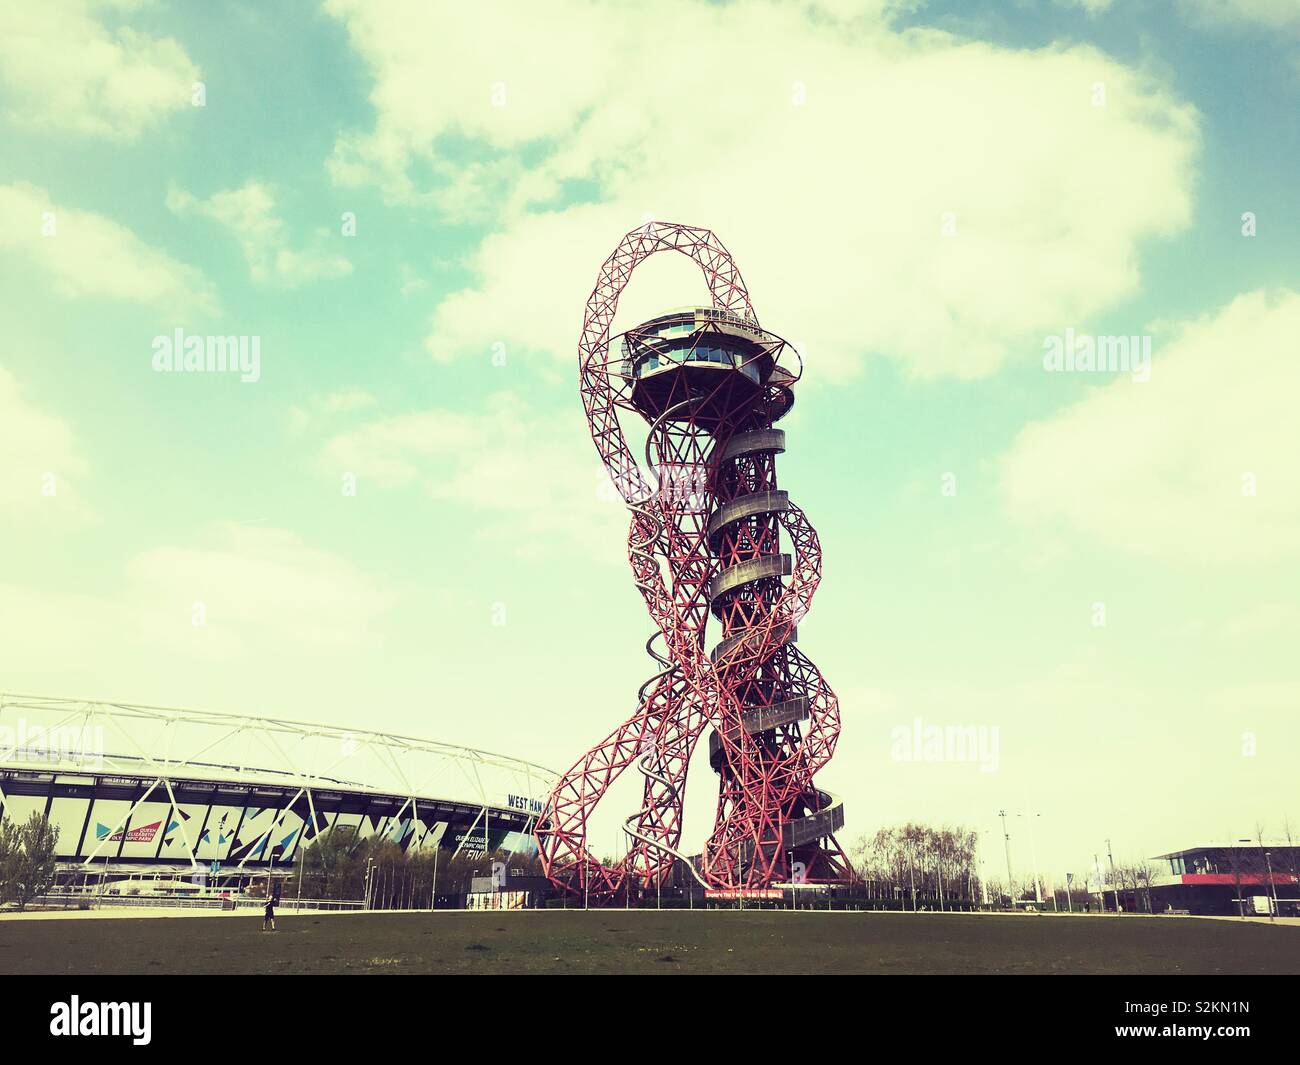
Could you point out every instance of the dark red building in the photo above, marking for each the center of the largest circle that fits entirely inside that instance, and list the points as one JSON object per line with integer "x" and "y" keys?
{"x": 1224, "y": 878}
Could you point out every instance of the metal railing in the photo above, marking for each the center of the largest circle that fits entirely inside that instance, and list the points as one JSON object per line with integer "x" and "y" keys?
{"x": 74, "y": 901}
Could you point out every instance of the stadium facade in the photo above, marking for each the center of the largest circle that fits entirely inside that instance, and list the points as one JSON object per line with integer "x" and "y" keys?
{"x": 188, "y": 792}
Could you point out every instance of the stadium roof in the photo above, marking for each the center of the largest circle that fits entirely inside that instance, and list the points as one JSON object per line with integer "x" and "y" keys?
{"x": 78, "y": 736}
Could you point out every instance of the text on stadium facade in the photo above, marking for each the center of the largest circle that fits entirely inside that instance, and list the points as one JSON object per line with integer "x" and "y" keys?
{"x": 523, "y": 802}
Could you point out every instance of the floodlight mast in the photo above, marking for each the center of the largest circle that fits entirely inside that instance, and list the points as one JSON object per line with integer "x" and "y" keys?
{"x": 705, "y": 508}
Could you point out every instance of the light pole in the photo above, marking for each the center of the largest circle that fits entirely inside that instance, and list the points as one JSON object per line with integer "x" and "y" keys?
{"x": 1114, "y": 886}
{"x": 1033, "y": 851}
{"x": 984, "y": 880}
{"x": 1272, "y": 888}
{"x": 1236, "y": 875}
{"x": 740, "y": 865}
{"x": 911, "y": 870}
{"x": 1006, "y": 843}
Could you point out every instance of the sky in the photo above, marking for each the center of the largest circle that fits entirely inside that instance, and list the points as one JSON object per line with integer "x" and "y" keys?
{"x": 396, "y": 519}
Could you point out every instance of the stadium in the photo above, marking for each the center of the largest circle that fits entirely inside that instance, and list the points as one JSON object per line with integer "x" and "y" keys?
{"x": 189, "y": 795}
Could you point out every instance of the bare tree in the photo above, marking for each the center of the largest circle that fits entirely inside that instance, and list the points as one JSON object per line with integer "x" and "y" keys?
{"x": 918, "y": 866}
{"x": 1266, "y": 868}
{"x": 1144, "y": 873}
{"x": 1291, "y": 861}
{"x": 1244, "y": 863}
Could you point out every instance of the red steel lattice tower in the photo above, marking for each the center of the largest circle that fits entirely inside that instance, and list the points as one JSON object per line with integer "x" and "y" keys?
{"x": 712, "y": 539}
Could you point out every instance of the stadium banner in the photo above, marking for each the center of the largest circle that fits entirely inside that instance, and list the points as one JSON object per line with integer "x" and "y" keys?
{"x": 496, "y": 900}
{"x": 723, "y": 894}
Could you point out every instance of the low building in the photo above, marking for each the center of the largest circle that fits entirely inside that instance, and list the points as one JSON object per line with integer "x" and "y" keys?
{"x": 1222, "y": 878}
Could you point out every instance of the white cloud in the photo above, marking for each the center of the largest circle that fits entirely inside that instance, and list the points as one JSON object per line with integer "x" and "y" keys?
{"x": 867, "y": 9}
{"x": 529, "y": 477}
{"x": 1159, "y": 468}
{"x": 288, "y": 625}
{"x": 63, "y": 68}
{"x": 40, "y": 460}
{"x": 249, "y": 213}
{"x": 857, "y": 138}
{"x": 344, "y": 401}
{"x": 86, "y": 254}
{"x": 1266, "y": 14}
{"x": 259, "y": 587}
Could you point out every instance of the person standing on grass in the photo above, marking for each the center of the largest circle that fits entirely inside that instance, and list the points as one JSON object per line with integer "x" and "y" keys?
{"x": 268, "y": 918}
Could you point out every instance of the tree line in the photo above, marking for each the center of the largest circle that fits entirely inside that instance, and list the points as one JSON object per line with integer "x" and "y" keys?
{"x": 919, "y": 867}
{"x": 343, "y": 864}
{"x": 27, "y": 861}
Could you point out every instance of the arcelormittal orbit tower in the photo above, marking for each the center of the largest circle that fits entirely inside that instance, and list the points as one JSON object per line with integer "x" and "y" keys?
{"x": 727, "y": 565}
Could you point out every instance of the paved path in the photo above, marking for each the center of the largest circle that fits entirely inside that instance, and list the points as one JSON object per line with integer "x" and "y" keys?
{"x": 283, "y": 912}
{"x": 109, "y": 912}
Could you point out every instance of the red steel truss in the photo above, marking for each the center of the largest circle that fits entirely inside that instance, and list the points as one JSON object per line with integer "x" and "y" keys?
{"x": 708, "y": 524}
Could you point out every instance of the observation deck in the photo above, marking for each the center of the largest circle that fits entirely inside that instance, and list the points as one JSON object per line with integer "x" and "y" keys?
{"x": 723, "y": 362}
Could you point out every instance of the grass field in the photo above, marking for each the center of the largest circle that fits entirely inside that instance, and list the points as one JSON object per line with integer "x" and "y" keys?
{"x": 615, "y": 941}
